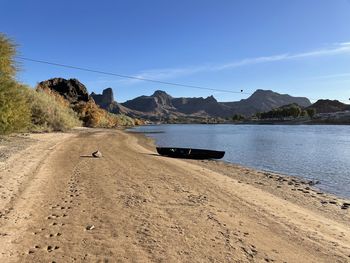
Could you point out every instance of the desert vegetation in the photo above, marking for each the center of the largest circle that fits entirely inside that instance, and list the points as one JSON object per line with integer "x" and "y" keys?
{"x": 14, "y": 108}
{"x": 25, "y": 109}
{"x": 50, "y": 112}
{"x": 93, "y": 116}
{"x": 288, "y": 111}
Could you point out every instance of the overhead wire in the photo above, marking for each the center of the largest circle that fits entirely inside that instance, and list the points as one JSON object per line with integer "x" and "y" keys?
{"x": 131, "y": 77}
{"x": 138, "y": 78}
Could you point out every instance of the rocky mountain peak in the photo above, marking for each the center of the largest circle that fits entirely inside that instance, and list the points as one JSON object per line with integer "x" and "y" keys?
{"x": 72, "y": 89}
{"x": 211, "y": 99}
{"x": 162, "y": 104}
{"x": 106, "y": 101}
{"x": 160, "y": 93}
{"x": 162, "y": 98}
{"x": 105, "y": 98}
{"x": 276, "y": 99}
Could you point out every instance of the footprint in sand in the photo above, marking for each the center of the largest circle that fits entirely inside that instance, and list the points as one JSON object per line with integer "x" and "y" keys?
{"x": 53, "y": 216}
{"x": 52, "y": 248}
{"x": 32, "y": 251}
{"x": 55, "y": 235}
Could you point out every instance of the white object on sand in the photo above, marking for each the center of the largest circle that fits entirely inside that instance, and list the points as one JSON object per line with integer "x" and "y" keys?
{"x": 97, "y": 154}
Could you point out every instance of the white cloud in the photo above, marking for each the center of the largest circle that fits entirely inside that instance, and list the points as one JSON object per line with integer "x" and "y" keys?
{"x": 332, "y": 76}
{"x": 343, "y": 43}
{"x": 170, "y": 73}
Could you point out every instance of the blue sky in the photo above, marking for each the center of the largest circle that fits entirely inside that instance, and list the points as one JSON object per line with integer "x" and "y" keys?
{"x": 300, "y": 47}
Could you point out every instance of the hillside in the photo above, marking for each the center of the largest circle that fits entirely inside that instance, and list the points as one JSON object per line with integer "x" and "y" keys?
{"x": 265, "y": 100}
{"x": 329, "y": 106}
{"x": 159, "y": 102}
{"x": 78, "y": 98}
{"x": 162, "y": 105}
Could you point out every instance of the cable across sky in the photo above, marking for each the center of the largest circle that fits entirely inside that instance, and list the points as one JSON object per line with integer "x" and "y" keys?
{"x": 138, "y": 78}
{"x": 130, "y": 77}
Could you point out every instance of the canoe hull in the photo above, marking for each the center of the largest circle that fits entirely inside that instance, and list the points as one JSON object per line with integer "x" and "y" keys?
{"x": 189, "y": 153}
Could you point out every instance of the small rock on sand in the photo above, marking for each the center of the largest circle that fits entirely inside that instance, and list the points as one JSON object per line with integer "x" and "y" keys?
{"x": 97, "y": 154}
{"x": 90, "y": 227}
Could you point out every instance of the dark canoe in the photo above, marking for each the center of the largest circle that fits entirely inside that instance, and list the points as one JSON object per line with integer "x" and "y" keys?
{"x": 190, "y": 153}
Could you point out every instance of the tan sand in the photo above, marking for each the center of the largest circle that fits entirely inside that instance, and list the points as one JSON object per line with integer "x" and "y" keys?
{"x": 59, "y": 205}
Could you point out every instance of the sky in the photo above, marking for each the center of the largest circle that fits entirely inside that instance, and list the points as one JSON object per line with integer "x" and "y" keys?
{"x": 298, "y": 47}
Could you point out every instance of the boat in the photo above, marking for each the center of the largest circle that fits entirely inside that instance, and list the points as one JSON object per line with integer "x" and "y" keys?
{"x": 190, "y": 153}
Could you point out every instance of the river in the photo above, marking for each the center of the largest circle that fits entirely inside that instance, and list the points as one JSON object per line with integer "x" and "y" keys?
{"x": 315, "y": 152}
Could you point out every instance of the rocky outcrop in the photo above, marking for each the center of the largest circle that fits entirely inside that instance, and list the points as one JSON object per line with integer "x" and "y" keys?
{"x": 329, "y": 106}
{"x": 106, "y": 101}
{"x": 72, "y": 90}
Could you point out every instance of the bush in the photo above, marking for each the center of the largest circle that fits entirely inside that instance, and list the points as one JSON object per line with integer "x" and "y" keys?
{"x": 49, "y": 112}
{"x": 93, "y": 116}
{"x": 90, "y": 114}
{"x": 311, "y": 112}
{"x": 8, "y": 67}
{"x": 14, "y": 108}
{"x": 238, "y": 117}
{"x": 287, "y": 111}
{"x": 123, "y": 120}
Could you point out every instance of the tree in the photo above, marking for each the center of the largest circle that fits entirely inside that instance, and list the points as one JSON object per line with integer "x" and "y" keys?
{"x": 14, "y": 108}
{"x": 8, "y": 66}
{"x": 258, "y": 115}
{"x": 287, "y": 111}
{"x": 311, "y": 112}
{"x": 237, "y": 117}
{"x": 304, "y": 113}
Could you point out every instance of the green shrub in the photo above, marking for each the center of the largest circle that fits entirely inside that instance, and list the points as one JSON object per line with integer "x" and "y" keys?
{"x": 124, "y": 120}
{"x": 48, "y": 113}
{"x": 238, "y": 117}
{"x": 14, "y": 108}
{"x": 8, "y": 67}
{"x": 311, "y": 112}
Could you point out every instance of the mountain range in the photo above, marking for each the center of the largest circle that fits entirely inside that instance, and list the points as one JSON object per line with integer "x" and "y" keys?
{"x": 161, "y": 105}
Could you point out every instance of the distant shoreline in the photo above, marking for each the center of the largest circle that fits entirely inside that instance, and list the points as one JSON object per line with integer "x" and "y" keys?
{"x": 258, "y": 123}
{"x": 294, "y": 123}
{"x": 238, "y": 123}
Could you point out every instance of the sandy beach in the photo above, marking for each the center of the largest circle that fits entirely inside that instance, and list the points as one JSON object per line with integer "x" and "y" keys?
{"x": 57, "y": 204}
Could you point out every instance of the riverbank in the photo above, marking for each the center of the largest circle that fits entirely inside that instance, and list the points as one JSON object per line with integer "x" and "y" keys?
{"x": 58, "y": 204}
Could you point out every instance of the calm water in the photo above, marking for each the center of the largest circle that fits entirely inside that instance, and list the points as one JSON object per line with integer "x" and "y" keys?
{"x": 312, "y": 152}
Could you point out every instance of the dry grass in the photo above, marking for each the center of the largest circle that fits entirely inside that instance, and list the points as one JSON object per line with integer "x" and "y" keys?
{"x": 14, "y": 110}
{"x": 50, "y": 112}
